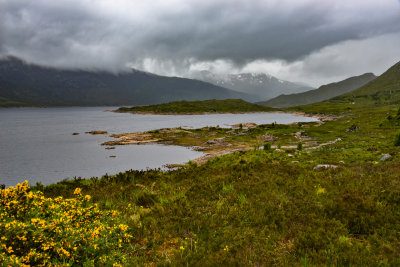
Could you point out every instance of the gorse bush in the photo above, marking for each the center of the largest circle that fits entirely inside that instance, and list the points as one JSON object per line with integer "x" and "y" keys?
{"x": 36, "y": 230}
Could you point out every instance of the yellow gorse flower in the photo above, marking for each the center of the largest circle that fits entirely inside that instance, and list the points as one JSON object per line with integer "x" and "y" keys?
{"x": 77, "y": 191}
{"x": 36, "y": 230}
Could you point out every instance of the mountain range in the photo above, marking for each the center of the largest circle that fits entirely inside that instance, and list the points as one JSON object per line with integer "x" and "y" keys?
{"x": 28, "y": 84}
{"x": 385, "y": 89}
{"x": 260, "y": 85}
{"x": 322, "y": 93}
{"x": 23, "y": 84}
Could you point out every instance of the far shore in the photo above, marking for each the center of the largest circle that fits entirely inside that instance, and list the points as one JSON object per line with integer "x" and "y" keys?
{"x": 321, "y": 117}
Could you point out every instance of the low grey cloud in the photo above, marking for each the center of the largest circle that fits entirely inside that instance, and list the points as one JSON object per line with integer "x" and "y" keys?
{"x": 175, "y": 36}
{"x": 335, "y": 62}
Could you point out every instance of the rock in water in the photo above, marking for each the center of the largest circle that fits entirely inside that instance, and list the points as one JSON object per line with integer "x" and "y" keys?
{"x": 96, "y": 132}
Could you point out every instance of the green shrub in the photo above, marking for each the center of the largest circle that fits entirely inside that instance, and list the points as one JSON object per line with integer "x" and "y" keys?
{"x": 300, "y": 146}
{"x": 192, "y": 164}
{"x": 397, "y": 140}
{"x": 267, "y": 146}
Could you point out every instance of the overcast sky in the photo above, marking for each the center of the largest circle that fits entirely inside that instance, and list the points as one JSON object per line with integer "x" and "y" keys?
{"x": 311, "y": 41}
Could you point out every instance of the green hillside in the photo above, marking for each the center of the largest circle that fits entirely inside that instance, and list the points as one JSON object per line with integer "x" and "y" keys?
{"x": 322, "y": 93}
{"x": 383, "y": 90}
{"x": 206, "y": 106}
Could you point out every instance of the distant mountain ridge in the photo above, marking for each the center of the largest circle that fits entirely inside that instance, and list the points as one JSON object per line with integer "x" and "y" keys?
{"x": 385, "y": 89}
{"x": 28, "y": 84}
{"x": 260, "y": 85}
{"x": 322, "y": 93}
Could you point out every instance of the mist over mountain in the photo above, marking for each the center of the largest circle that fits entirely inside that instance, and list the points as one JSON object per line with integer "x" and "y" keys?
{"x": 260, "y": 85}
{"x": 27, "y": 84}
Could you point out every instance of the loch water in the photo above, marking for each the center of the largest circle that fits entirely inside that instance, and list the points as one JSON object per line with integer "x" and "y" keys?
{"x": 36, "y": 144}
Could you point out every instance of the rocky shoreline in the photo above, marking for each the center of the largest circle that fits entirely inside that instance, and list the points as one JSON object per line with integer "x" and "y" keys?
{"x": 319, "y": 116}
{"x": 131, "y": 139}
{"x": 213, "y": 147}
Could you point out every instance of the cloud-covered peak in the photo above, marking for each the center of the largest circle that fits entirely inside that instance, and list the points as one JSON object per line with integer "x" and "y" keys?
{"x": 172, "y": 37}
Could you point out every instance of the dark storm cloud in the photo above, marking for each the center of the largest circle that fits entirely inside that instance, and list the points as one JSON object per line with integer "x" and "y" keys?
{"x": 110, "y": 34}
{"x": 52, "y": 32}
{"x": 244, "y": 32}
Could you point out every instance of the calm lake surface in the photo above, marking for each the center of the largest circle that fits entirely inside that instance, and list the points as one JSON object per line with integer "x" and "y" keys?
{"x": 36, "y": 144}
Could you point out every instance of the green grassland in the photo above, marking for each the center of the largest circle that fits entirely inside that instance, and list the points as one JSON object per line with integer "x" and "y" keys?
{"x": 206, "y": 106}
{"x": 269, "y": 207}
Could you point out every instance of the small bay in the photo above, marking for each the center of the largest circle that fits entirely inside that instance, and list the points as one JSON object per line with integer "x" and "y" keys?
{"x": 37, "y": 144}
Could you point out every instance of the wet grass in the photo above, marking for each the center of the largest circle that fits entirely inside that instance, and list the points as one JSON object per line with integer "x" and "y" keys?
{"x": 268, "y": 207}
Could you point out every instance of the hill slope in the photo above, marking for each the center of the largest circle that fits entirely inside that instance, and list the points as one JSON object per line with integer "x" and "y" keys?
{"x": 260, "y": 85}
{"x": 322, "y": 93}
{"x": 206, "y": 106}
{"x": 36, "y": 85}
{"x": 383, "y": 90}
